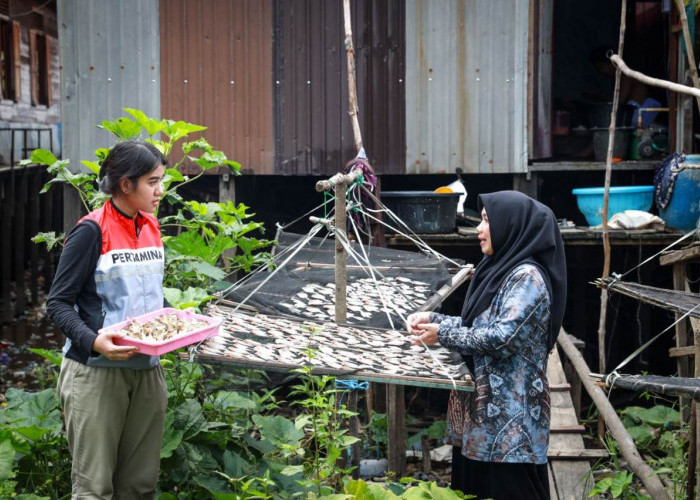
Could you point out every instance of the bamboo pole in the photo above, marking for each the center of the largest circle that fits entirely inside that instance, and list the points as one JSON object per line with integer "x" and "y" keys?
{"x": 689, "y": 52}
{"x": 352, "y": 88}
{"x": 656, "y": 82}
{"x": 629, "y": 451}
{"x": 606, "y": 235}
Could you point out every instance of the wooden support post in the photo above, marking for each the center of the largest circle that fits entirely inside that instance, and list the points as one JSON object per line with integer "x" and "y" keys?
{"x": 72, "y": 208}
{"x": 46, "y": 224}
{"x": 692, "y": 453}
{"x": 227, "y": 192}
{"x": 683, "y": 339}
{"x": 34, "y": 211}
{"x": 7, "y": 190}
{"x": 341, "y": 276}
{"x": 629, "y": 451}
{"x": 340, "y": 183}
{"x": 573, "y": 378}
{"x": 527, "y": 184}
{"x": 354, "y": 425}
{"x": 425, "y": 452}
{"x": 696, "y": 417}
{"x": 396, "y": 429}
{"x": 20, "y": 242}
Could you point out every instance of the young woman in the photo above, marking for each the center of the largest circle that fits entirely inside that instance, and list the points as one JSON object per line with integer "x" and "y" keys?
{"x": 111, "y": 268}
{"x": 510, "y": 321}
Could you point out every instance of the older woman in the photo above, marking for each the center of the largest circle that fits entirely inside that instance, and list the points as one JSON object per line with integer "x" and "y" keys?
{"x": 510, "y": 320}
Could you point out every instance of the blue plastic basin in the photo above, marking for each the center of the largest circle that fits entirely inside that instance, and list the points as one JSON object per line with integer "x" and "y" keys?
{"x": 590, "y": 201}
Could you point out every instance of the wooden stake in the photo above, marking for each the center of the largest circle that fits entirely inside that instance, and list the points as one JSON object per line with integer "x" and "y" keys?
{"x": 352, "y": 88}
{"x": 629, "y": 451}
{"x": 689, "y": 52}
{"x": 606, "y": 197}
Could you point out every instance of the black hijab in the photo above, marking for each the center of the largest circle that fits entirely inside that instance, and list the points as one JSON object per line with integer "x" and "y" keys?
{"x": 522, "y": 230}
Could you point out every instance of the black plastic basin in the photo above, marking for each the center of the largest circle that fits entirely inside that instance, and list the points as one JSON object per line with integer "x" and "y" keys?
{"x": 424, "y": 212}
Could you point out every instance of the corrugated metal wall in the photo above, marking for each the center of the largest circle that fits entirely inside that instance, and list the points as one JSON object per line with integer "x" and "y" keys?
{"x": 466, "y": 86}
{"x": 312, "y": 127}
{"x": 110, "y": 60}
{"x": 216, "y": 60}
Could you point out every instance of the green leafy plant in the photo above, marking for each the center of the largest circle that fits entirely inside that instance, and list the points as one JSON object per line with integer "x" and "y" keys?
{"x": 204, "y": 242}
{"x": 660, "y": 439}
{"x": 325, "y": 437}
{"x": 33, "y": 452}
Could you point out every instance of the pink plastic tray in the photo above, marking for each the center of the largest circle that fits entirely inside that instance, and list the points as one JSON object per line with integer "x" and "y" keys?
{"x": 158, "y": 348}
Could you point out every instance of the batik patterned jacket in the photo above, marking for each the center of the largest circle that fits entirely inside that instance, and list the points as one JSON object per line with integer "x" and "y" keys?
{"x": 507, "y": 418}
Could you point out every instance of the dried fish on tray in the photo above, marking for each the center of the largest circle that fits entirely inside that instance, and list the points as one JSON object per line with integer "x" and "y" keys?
{"x": 164, "y": 330}
{"x": 279, "y": 344}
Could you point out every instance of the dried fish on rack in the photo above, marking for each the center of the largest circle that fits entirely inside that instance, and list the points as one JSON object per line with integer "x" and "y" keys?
{"x": 278, "y": 344}
{"x": 365, "y": 298}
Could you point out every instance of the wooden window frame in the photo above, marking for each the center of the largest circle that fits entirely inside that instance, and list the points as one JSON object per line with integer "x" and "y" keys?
{"x": 11, "y": 67}
{"x": 40, "y": 68}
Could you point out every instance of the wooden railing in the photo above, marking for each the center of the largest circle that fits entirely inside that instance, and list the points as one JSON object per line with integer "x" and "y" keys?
{"x": 26, "y": 268}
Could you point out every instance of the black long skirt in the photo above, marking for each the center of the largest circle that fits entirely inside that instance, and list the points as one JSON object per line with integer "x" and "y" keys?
{"x": 497, "y": 480}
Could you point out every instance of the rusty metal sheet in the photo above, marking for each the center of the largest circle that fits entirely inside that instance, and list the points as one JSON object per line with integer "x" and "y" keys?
{"x": 466, "y": 86}
{"x": 312, "y": 127}
{"x": 216, "y": 70}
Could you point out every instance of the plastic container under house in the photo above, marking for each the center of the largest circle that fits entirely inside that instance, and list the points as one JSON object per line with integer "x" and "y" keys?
{"x": 424, "y": 212}
{"x": 621, "y": 198}
{"x": 683, "y": 209}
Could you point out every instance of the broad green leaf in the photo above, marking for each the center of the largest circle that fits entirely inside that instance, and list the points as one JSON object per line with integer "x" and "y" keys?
{"x": 123, "y": 127}
{"x": 171, "y": 437}
{"x": 33, "y": 433}
{"x": 290, "y": 470}
{"x": 7, "y": 460}
{"x": 225, "y": 400}
{"x": 40, "y": 156}
{"x": 189, "y": 418}
{"x": 262, "y": 445}
{"x": 151, "y": 125}
{"x": 199, "y": 144}
{"x": 278, "y": 430}
{"x": 348, "y": 440}
{"x": 216, "y": 486}
{"x": 358, "y": 488}
{"x": 93, "y": 166}
{"x": 379, "y": 493}
{"x": 234, "y": 465}
{"x": 620, "y": 483}
{"x": 656, "y": 416}
{"x": 50, "y": 238}
{"x": 642, "y": 435}
{"x": 601, "y": 486}
{"x": 192, "y": 297}
{"x": 207, "y": 269}
{"x": 53, "y": 355}
{"x": 177, "y": 130}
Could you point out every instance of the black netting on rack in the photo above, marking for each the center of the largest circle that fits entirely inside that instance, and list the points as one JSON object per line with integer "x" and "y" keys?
{"x": 305, "y": 286}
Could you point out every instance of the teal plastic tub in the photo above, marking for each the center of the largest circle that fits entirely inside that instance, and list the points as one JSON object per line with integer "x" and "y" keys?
{"x": 590, "y": 201}
{"x": 683, "y": 210}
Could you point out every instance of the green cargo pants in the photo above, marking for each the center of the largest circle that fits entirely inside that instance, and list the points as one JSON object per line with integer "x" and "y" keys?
{"x": 114, "y": 421}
